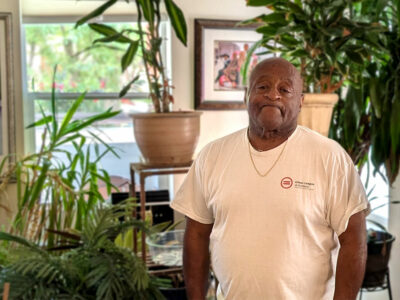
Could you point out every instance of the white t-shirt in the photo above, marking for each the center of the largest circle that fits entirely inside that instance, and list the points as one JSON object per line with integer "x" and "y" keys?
{"x": 274, "y": 237}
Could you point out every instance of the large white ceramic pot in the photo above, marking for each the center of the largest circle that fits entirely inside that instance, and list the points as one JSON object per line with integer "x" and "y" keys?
{"x": 167, "y": 139}
{"x": 316, "y": 112}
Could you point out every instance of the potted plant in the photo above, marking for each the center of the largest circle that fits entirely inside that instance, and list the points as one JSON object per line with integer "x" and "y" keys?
{"x": 84, "y": 264}
{"x": 54, "y": 192}
{"x": 324, "y": 40}
{"x": 164, "y": 137}
{"x": 366, "y": 123}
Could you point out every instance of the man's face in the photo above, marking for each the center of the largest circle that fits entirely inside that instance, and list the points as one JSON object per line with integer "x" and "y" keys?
{"x": 275, "y": 96}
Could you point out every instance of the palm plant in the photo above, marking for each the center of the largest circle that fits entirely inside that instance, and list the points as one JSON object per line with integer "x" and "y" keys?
{"x": 92, "y": 268}
{"x": 52, "y": 193}
{"x": 148, "y": 40}
{"x": 323, "y": 38}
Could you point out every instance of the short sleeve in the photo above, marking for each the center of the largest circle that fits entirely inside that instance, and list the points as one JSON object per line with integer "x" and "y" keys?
{"x": 190, "y": 200}
{"x": 346, "y": 195}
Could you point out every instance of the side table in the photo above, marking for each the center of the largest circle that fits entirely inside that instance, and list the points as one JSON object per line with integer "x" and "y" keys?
{"x": 144, "y": 171}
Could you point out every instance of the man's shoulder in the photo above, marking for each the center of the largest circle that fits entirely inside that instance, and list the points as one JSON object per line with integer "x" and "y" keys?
{"x": 315, "y": 140}
{"x": 223, "y": 144}
{"x": 321, "y": 146}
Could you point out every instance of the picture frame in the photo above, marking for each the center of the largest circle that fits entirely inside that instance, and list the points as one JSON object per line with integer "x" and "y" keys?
{"x": 220, "y": 49}
{"x": 7, "y": 89}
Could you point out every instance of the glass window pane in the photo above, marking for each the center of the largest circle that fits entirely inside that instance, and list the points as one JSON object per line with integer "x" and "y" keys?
{"x": 116, "y": 132}
{"x": 94, "y": 70}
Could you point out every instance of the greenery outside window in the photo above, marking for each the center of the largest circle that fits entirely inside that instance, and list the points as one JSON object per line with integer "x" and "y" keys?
{"x": 97, "y": 71}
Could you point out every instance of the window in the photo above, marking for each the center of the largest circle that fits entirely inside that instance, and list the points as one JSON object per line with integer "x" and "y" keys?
{"x": 378, "y": 194}
{"x": 95, "y": 70}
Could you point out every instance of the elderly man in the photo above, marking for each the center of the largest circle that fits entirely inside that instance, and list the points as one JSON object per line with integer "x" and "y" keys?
{"x": 280, "y": 207}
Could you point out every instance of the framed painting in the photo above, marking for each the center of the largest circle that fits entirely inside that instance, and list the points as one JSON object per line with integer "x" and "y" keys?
{"x": 7, "y": 92}
{"x": 220, "y": 51}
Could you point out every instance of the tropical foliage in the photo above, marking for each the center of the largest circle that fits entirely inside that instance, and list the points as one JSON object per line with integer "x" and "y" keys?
{"x": 325, "y": 39}
{"x": 55, "y": 188}
{"x": 148, "y": 39}
{"x": 367, "y": 118}
{"x": 92, "y": 268}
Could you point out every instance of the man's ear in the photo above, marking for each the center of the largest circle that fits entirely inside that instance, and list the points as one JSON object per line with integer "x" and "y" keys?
{"x": 301, "y": 100}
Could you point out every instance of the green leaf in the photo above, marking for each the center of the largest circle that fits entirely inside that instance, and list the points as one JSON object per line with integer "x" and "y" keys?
{"x": 355, "y": 57}
{"x": 297, "y": 10}
{"x": 103, "y": 29}
{"x": 119, "y": 38}
{"x": 177, "y": 20}
{"x": 148, "y": 10}
{"x": 259, "y": 2}
{"x": 97, "y": 12}
{"x": 70, "y": 113}
{"x": 102, "y": 116}
{"x": 268, "y": 30}
{"x": 42, "y": 121}
{"x": 128, "y": 86}
{"x": 129, "y": 55}
{"x": 53, "y": 106}
{"x": 13, "y": 238}
{"x": 395, "y": 123}
{"x": 109, "y": 148}
{"x": 275, "y": 17}
{"x": 373, "y": 94}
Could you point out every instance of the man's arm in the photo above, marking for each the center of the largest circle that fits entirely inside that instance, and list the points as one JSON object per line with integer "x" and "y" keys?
{"x": 352, "y": 258}
{"x": 196, "y": 258}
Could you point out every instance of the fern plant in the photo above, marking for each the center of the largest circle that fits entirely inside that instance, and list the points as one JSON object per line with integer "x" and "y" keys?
{"x": 92, "y": 268}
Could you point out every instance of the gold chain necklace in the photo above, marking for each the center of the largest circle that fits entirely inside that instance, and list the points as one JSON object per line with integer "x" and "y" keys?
{"x": 273, "y": 165}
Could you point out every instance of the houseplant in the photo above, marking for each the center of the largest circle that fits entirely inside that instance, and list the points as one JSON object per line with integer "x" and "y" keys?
{"x": 176, "y": 133}
{"x": 55, "y": 192}
{"x": 366, "y": 123}
{"x": 366, "y": 118}
{"x": 85, "y": 264}
{"x": 321, "y": 38}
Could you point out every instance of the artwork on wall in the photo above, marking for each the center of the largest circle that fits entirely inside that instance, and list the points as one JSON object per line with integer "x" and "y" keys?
{"x": 7, "y": 92}
{"x": 220, "y": 50}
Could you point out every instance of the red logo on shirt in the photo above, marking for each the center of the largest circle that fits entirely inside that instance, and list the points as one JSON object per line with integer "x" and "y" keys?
{"x": 286, "y": 182}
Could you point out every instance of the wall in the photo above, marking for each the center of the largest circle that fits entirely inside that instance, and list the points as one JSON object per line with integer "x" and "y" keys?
{"x": 14, "y": 8}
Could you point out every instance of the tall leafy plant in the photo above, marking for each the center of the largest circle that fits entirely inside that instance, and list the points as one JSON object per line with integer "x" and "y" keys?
{"x": 54, "y": 193}
{"x": 368, "y": 116}
{"x": 323, "y": 38}
{"x": 148, "y": 40}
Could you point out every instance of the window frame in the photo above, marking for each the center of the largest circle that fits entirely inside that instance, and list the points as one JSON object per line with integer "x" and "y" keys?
{"x": 30, "y": 97}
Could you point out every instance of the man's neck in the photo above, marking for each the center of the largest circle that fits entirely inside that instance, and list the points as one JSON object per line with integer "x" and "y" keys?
{"x": 263, "y": 140}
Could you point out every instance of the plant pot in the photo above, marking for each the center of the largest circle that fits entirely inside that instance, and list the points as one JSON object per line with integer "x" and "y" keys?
{"x": 316, "y": 112}
{"x": 167, "y": 138}
{"x": 174, "y": 293}
{"x": 378, "y": 259}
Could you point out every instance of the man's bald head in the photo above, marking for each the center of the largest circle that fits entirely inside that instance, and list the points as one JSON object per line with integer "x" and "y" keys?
{"x": 274, "y": 65}
{"x": 275, "y": 96}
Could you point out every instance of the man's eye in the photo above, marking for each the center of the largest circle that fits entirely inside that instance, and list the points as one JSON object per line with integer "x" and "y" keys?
{"x": 285, "y": 90}
{"x": 262, "y": 87}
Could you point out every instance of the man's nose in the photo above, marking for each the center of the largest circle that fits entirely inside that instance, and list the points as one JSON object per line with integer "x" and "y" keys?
{"x": 273, "y": 95}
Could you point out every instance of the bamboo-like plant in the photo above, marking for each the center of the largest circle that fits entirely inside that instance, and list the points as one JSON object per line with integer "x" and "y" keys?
{"x": 149, "y": 41}
{"x": 92, "y": 268}
{"x": 323, "y": 38}
{"x": 52, "y": 193}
